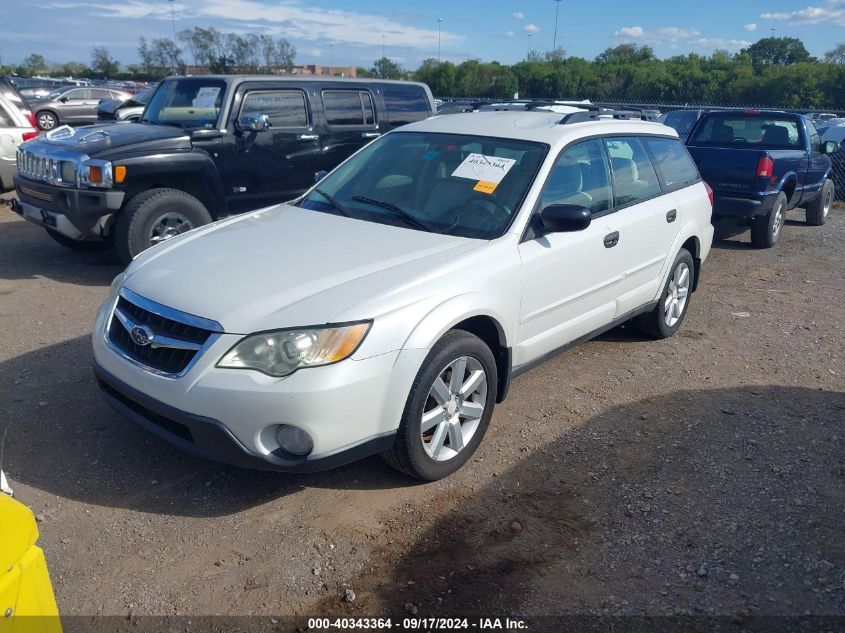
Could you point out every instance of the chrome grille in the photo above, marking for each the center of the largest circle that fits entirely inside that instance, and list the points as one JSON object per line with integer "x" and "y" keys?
{"x": 177, "y": 339}
{"x": 39, "y": 167}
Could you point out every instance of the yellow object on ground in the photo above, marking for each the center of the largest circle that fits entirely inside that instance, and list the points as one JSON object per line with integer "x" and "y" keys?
{"x": 27, "y": 603}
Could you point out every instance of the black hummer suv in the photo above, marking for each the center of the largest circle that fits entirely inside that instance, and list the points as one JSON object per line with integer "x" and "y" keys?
{"x": 205, "y": 147}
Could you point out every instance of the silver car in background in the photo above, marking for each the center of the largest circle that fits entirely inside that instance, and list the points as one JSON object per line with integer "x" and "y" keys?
{"x": 15, "y": 128}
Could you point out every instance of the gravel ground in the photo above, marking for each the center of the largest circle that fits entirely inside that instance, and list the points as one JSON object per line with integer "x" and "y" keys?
{"x": 698, "y": 475}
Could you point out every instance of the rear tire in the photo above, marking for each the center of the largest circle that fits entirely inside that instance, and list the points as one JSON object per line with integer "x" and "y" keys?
{"x": 154, "y": 216}
{"x": 78, "y": 245}
{"x": 819, "y": 208}
{"x": 766, "y": 229}
{"x": 671, "y": 308}
{"x": 456, "y": 407}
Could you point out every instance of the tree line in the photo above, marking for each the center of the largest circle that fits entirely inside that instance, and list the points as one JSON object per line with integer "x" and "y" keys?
{"x": 775, "y": 71}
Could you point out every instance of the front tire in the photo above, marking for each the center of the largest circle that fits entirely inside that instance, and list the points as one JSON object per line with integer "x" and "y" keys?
{"x": 819, "y": 208}
{"x": 668, "y": 315}
{"x": 46, "y": 120}
{"x": 448, "y": 408}
{"x": 155, "y": 216}
{"x": 766, "y": 229}
{"x": 78, "y": 245}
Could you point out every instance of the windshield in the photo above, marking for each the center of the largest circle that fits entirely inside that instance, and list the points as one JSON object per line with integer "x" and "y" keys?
{"x": 759, "y": 132}
{"x": 466, "y": 186}
{"x": 188, "y": 103}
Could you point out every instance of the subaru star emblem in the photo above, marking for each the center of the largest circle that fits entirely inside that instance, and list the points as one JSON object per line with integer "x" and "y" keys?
{"x": 142, "y": 335}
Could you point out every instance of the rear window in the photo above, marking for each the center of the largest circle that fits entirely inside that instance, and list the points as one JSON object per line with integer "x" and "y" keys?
{"x": 682, "y": 121}
{"x": 348, "y": 107}
{"x": 675, "y": 167}
{"x": 406, "y": 105}
{"x": 755, "y": 131}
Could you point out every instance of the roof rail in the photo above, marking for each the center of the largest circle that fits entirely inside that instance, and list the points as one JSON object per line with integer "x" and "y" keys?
{"x": 594, "y": 112}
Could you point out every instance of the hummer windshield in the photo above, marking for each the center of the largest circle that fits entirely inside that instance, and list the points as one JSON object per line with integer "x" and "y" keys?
{"x": 189, "y": 103}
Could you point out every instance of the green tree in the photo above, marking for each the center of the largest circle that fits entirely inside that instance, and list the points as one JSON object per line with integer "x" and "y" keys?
{"x": 777, "y": 51}
{"x": 34, "y": 64}
{"x": 102, "y": 62}
{"x": 385, "y": 68}
{"x": 836, "y": 55}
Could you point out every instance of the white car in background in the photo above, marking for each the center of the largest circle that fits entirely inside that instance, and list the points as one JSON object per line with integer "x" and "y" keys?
{"x": 386, "y": 310}
{"x": 15, "y": 128}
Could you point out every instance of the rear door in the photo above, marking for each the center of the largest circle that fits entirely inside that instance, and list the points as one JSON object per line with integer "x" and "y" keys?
{"x": 278, "y": 164}
{"x": 351, "y": 123}
{"x": 646, "y": 220}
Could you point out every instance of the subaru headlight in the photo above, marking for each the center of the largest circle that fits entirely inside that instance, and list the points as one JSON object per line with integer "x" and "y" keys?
{"x": 95, "y": 173}
{"x": 281, "y": 352}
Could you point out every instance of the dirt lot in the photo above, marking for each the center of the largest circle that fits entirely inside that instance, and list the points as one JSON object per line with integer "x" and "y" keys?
{"x": 698, "y": 475}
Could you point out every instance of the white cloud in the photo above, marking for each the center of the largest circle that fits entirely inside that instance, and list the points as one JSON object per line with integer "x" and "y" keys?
{"x": 661, "y": 35}
{"x": 810, "y": 15}
{"x": 510, "y": 33}
{"x": 531, "y": 28}
{"x": 519, "y": 15}
{"x": 292, "y": 20}
{"x": 750, "y": 27}
{"x": 630, "y": 31}
{"x": 712, "y": 43}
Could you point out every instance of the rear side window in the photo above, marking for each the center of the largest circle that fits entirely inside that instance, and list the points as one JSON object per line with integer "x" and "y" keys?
{"x": 5, "y": 119}
{"x": 756, "y": 132}
{"x": 634, "y": 178}
{"x": 348, "y": 107}
{"x": 286, "y": 108}
{"x": 815, "y": 139}
{"x": 406, "y": 105}
{"x": 675, "y": 167}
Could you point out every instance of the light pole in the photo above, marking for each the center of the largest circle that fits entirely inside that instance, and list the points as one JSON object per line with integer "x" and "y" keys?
{"x": 173, "y": 21}
{"x": 557, "y": 11}
{"x": 331, "y": 58}
{"x": 439, "y": 22}
{"x": 383, "y": 54}
{"x": 530, "y": 34}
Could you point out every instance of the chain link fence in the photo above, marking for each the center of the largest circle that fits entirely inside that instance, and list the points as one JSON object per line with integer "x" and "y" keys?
{"x": 683, "y": 117}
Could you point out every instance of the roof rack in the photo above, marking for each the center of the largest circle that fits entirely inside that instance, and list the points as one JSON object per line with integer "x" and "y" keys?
{"x": 587, "y": 111}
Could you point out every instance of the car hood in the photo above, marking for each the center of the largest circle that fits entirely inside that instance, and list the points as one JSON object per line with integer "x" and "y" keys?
{"x": 140, "y": 138}
{"x": 286, "y": 267}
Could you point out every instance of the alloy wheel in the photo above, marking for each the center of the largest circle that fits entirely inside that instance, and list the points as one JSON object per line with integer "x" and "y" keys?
{"x": 169, "y": 225}
{"x": 778, "y": 221}
{"x": 677, "y": 294}
{"x": 828, "y": 202}
{"x": 453, "y": 410}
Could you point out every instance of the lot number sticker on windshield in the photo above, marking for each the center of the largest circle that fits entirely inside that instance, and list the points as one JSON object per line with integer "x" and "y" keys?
{"x": 206, "y": 97}
{"x": 487, "y": 170}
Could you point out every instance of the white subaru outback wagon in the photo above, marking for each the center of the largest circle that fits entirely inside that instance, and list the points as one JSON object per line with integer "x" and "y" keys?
{"x": 387, "y": 309}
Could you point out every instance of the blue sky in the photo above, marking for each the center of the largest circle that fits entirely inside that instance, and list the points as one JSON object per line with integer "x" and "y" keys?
{"x": 352, "y": 33}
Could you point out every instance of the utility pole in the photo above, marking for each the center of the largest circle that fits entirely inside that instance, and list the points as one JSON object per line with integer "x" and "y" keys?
{"x": 439, "y": 22}
{"x": 383, "y": 54}
{"x": 331, "y": 58}
{"x": 557, "y": 11}
{"x": 530, "y": 34}
{"x": 773, "y": 29}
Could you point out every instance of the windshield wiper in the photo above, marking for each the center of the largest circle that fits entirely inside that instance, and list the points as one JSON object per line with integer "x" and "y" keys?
{"x": 404, "y": 215}
{"x": 343, "y": 210}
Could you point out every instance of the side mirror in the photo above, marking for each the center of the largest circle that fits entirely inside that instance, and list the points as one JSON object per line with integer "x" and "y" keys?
{"x": 829, "y": 147}
{"x": 319, "y": 175}
{"x": 254, "y": 123}
{"x": 564, "y": 218}
{"x": 63, "y": 99}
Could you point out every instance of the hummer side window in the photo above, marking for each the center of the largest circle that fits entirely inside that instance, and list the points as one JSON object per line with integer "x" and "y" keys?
{"x": 285, "y": 108}
{"x": 348, "y": 107}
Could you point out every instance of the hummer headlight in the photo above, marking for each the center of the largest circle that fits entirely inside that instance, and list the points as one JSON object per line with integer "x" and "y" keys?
{"x": 281, "y": 352}
{"x": 96, "y": 173}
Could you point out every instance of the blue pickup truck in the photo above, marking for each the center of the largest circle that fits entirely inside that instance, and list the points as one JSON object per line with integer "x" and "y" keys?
{"x": 760, "y": 164}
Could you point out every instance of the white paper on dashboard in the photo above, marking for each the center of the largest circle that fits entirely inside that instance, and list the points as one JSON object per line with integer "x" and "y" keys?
{"x": 490, "y": 169}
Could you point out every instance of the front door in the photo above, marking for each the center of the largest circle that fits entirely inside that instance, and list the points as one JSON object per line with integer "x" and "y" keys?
{"x": 274, "y": 165}
{"x": 570, "y": 280}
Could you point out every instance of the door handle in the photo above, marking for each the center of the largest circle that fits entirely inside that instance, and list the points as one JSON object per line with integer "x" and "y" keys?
{"x": 370, "y": 134}
{"x": 611, "y": 239}
{"x": 308, "y": 137}
{"x": 671, "y": 216}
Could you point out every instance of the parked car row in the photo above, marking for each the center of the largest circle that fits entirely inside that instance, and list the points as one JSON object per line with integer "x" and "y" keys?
{"x": 386, "y": 308}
